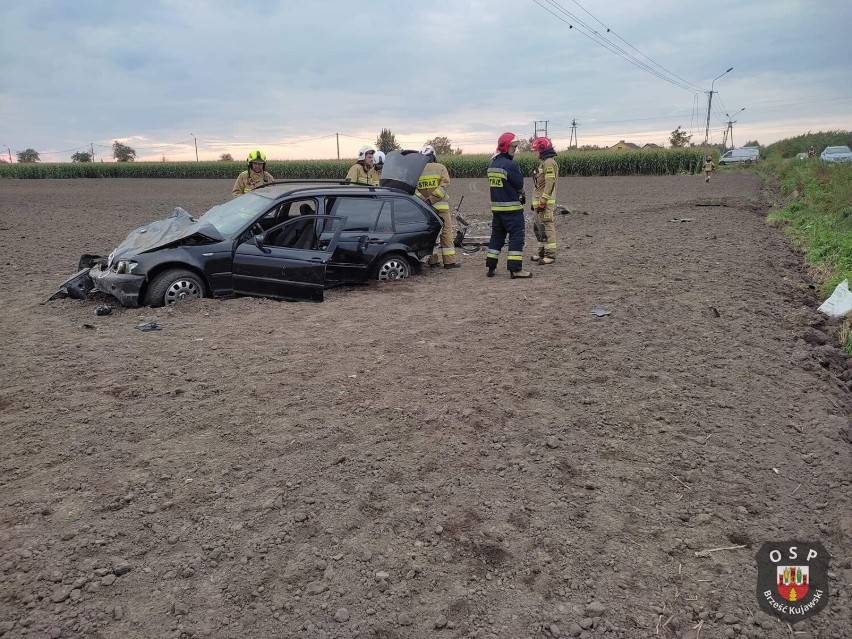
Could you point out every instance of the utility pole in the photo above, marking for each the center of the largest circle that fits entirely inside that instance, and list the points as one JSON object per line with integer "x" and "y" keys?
{"x": 709, "y": 102}
{"x": 196, "y": 146}
{"x": 730, "y": 129}
{"x": 337, "y": 137}
{"x": 540, "y": 128}
{"x": 10, "y": 154}
{"x": 573, "y": 141}
{"x": 92, "y": 147}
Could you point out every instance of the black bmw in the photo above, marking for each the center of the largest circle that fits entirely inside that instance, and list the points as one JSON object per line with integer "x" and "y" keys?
{"x": 287, "y": 240}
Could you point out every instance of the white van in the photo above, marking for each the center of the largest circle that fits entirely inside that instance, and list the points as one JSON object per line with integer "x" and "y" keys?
{"x": 747, "y": 155}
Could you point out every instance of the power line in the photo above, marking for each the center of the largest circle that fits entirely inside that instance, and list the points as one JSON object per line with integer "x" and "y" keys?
{"x": 609, "y": 30}
{"x": 596, "y": 37}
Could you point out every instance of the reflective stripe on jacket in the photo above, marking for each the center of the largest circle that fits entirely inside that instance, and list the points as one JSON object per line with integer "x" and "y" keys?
{"x": 248, "y": 181}
{"x": 505, "y": 183}
{"x": 432, "y": 186}
{"x": 545, "y": 179}
{"x": 359, "y": 175}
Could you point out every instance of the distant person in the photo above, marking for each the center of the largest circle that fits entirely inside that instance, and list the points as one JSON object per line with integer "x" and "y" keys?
{"x": 709, "y": 167}
{"x": 256, "y": 175}
{"x": 432, "y": 189}
{"x": 811, "y": 152}
{"x": 363, "y": 171}
{"x": 544, "y": 201}
{"x": 506, "y": 185}
{"x": 379, "y": 164}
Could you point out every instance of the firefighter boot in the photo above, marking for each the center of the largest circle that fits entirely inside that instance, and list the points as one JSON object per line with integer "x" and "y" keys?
{"x": 539, "y": 255}
{"x": 520, "y": 274}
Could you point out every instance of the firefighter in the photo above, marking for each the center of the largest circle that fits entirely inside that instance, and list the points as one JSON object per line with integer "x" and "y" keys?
{"x": 709, "y": 167}
{"x": 379, "y": 164}
{"x": 811, "y": 152}
{"x": 507, "y": 208}
{"x": 254, "y": 176}
{"x": 544, "y": 202}
{"x": 363, "y": 171}
{"x": 432, "y": 189}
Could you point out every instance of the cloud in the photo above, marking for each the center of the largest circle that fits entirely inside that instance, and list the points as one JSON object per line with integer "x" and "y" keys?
{"x": 273, "y": 73}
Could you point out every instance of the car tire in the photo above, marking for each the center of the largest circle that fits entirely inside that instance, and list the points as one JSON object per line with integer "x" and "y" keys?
{"x": 173, "y": 286}
{"x": 392, "y": 267}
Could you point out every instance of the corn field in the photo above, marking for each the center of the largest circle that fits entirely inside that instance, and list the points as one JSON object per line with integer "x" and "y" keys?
{"x": 577, "y": 163}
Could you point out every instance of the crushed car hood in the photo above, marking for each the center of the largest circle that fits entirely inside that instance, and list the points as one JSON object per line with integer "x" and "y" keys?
{"x": 177, "y": 226}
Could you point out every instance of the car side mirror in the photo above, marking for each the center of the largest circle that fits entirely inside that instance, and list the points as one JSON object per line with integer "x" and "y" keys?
{"x": 259, "y": 241}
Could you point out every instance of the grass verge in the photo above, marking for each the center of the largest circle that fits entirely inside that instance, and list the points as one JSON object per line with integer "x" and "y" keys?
{"x": 818, "y": 219}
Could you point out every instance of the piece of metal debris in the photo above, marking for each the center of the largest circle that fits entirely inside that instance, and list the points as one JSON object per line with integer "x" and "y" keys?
{"x": 710, "y": 202}
{"x": 682, "y": 219}
{"x": 147, "y": 327}
{"x": 600, "y": 311}
{"x": 106, "y": 309}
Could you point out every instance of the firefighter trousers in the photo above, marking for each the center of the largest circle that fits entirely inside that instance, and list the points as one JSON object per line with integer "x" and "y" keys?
{"x": 509, "y": 224}
{"x": 545, "y": 231}
{"x": 445, "y": 250}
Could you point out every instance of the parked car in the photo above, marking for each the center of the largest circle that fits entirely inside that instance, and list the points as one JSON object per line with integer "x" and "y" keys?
{"x": 745, "y": 155}
{"x": 836, "y": 154}
{"x": 287, "y": 240}
{"x": 801, "y": 156}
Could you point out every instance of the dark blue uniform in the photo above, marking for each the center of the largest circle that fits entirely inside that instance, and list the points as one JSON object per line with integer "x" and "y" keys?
{"x": 507, "y": 211}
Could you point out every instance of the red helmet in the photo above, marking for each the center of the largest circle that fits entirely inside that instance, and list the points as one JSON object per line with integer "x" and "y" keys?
{"x": 540, "y": 145}
{"x": 504, "y": 141}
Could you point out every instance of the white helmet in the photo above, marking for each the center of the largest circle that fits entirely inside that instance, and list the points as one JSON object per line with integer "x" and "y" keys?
{"x": 428, "y": 149}
{"x": 364, "y": 150}
{"x": 379, "y": 158}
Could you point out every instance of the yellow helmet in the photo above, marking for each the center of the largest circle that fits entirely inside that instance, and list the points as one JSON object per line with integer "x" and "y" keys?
{"x": 257, "y": 156}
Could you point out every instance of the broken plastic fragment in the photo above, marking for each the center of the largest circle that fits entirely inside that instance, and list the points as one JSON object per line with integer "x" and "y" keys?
{"x": 600, "y": 311}
{"x": 147, "y": 327}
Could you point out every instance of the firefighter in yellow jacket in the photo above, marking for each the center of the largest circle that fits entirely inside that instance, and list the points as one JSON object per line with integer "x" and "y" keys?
{"x": 544, "y": 201}
{"x": 363, "y": 171}
{"x": 432, "y": 189}
{"x": 254, "y": 176}
{"x": 709, "y": 167}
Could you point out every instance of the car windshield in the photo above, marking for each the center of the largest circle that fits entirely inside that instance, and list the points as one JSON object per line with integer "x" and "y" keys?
{"x": 234, "y": 215}
{"x": 838, "y": 149}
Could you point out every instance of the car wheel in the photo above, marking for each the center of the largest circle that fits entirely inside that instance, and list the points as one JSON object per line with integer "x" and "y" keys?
{"x": 173, "y": 286}
{"x": 393, "y": 267}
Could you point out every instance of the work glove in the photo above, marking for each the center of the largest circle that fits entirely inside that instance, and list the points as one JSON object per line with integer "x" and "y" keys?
{"x": 542, "y": 204}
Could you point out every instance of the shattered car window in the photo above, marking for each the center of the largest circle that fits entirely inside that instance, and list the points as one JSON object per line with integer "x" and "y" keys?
{"x": 232, "y": 216}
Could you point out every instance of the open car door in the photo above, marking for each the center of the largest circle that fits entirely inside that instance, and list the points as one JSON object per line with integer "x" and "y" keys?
{"x": 289, "y": 260}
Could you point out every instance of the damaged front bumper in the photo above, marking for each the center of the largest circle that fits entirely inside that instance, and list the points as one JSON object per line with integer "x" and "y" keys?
{"x": 93, "y": 275}
{"x": 125, "y": 287}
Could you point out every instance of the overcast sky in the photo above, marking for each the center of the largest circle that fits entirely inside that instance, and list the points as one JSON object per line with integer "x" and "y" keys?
{"x": 286, "y": 76}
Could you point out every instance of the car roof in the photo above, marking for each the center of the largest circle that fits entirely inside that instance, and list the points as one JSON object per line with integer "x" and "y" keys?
{"x": 311, "y": 188}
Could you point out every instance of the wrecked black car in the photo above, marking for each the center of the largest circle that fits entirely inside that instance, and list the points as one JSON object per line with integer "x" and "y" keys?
{"x": 287, "y": 240}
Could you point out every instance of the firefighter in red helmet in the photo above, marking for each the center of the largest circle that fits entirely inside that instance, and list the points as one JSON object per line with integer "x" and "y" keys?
{"x": 544, "y": 201}
{"x": 506, "y": 185}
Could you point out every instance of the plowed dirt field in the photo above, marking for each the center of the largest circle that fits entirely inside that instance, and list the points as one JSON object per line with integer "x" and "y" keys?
{"x": 447, "y": 456}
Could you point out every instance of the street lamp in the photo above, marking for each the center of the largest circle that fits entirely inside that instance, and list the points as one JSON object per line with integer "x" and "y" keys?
{"x": 196, "y": 146}
{"x": 709, "y": 102}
